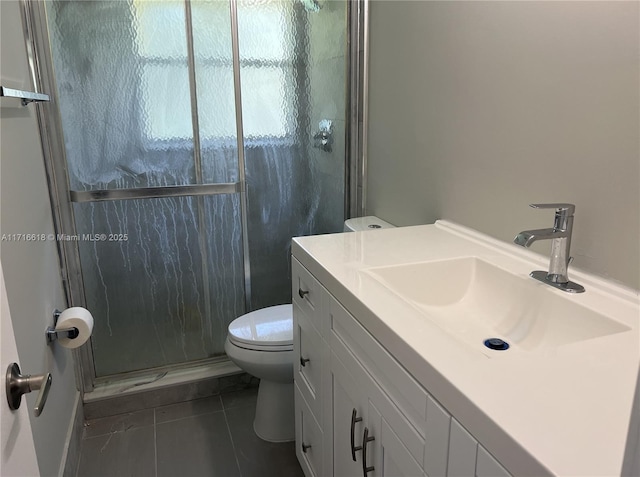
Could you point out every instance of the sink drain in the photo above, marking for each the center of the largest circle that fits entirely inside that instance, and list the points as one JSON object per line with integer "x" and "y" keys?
{"x": 496, "y": 343}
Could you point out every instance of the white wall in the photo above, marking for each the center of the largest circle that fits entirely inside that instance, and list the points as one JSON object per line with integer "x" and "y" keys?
{"x": 479, "y": 108}
{"x": 31, "y": 269}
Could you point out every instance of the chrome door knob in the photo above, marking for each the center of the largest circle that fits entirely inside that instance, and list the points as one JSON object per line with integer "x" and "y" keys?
{"x": 17, "y": 385}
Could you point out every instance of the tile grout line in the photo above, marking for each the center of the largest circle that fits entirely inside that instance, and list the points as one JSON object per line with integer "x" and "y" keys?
{"x": 80, "y": 453}
{"x": 233, "y": 445}
{"x": 155, "y": 443}
{"x": 114, "y": 432}
{"x": 189, "y": 416}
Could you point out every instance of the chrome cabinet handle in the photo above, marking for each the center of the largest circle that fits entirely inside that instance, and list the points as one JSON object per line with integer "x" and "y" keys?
{"x": 305, "y": 447}
{"x": 17, "y": 385}
{"x": 302, "y": 292}
{"x": 354, "y": 419}
{"x": 365, "y": 439}
{"x": 304, "y": 361}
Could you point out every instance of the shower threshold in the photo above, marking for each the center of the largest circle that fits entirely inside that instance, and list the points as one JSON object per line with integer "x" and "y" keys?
{"x": 159, "y": 386}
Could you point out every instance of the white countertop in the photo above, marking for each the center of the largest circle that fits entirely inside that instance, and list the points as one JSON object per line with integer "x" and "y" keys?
{"x": 561, "y": 411}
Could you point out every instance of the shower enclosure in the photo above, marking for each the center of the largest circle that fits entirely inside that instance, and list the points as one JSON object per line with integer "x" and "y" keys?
{"x": 191, "y": 140}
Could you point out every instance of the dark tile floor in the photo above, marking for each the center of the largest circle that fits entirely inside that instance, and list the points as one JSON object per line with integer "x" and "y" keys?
{"x": 210, "y": 437}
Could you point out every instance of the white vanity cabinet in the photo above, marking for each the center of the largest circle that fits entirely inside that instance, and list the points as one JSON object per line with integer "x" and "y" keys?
{"x": 364, "y": 442}
{"x": 358, "y": 411}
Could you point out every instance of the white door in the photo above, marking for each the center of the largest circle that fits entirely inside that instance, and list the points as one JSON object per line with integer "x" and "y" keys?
{"x": 18, "y": 450}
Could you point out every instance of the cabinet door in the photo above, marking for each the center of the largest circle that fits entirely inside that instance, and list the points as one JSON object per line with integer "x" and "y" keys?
{"x": 463, "y": 449}
{"x": 437, "y": 440}
{"x": 487, "y": 466}
{"x": 347, "y": 421}
{"x": 379, "y": 449}
{"x": 386, "y": 455}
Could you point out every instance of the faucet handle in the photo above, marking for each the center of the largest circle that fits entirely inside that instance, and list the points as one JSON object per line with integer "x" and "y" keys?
{"x": 564, "y": 210}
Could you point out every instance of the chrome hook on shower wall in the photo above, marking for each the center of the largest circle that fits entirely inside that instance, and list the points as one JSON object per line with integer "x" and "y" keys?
{"x": 323, "y": 139}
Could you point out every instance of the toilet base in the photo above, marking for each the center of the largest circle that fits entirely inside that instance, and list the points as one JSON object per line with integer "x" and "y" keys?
{"x": 275, "y": 418}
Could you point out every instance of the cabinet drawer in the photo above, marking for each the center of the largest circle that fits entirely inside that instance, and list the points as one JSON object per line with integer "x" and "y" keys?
{"x": 307, "y": 351}
{"x": 309, "y": 438}
{"x": 403, "y": 390}
{"x": 308, "y": 294}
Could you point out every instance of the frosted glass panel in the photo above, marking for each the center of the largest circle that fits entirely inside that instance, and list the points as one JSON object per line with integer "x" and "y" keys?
{"x": 326, "y": 88}
{"x": 269, "y": 96}
{"x": 223, "y": 238}
{"x": 156, "y": 296}
{"x": 271, "y": 35}
{"x": 265, "y": 29}
{"x": 215, "y": 90}
{"x": 159, "y": 28}
{"x": 292, "y": 69}
{"x": 123, "y": 86}
{"x": 163, "y": 90}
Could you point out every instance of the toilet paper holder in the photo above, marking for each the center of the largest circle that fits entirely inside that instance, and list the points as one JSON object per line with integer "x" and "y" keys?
{"x": 52, "y": 334}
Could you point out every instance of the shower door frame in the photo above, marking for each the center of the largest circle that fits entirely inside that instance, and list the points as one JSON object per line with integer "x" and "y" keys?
{"x": 61, "y": 197}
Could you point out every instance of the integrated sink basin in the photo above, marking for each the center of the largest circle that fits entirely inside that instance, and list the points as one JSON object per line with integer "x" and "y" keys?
{"x": 474, "y": 300}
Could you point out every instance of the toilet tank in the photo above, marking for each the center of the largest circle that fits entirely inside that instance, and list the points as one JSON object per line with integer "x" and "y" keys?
{"x": 370, "y": 222}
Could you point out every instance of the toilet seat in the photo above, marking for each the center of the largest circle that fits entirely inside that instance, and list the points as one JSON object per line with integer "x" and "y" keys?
{"x": 267, "y": 329}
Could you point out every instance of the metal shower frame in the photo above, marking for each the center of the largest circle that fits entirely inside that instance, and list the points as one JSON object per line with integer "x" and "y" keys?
{"x": 52, "y": 138}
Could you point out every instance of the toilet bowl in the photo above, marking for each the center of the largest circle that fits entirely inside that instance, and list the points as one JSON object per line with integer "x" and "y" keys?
{"x": 261, "y": 343}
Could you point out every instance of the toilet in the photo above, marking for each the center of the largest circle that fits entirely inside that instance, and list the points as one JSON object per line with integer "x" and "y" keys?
{"x": 261, "y": 343}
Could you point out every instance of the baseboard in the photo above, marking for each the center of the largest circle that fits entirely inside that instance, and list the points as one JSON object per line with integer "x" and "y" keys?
{"x": 71, "y": 453}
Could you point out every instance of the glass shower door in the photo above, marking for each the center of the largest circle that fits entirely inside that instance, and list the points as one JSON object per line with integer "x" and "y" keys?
{"x": 162, "y": 260}
{"x": 293, "y": 62}
{"x": 185, "y": 204}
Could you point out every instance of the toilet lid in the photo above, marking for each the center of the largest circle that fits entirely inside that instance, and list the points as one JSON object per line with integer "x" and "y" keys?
{"x": 271, "y": 326}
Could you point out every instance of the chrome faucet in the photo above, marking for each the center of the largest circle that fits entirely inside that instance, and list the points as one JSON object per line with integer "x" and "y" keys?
{"x": 560, "y": 236}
